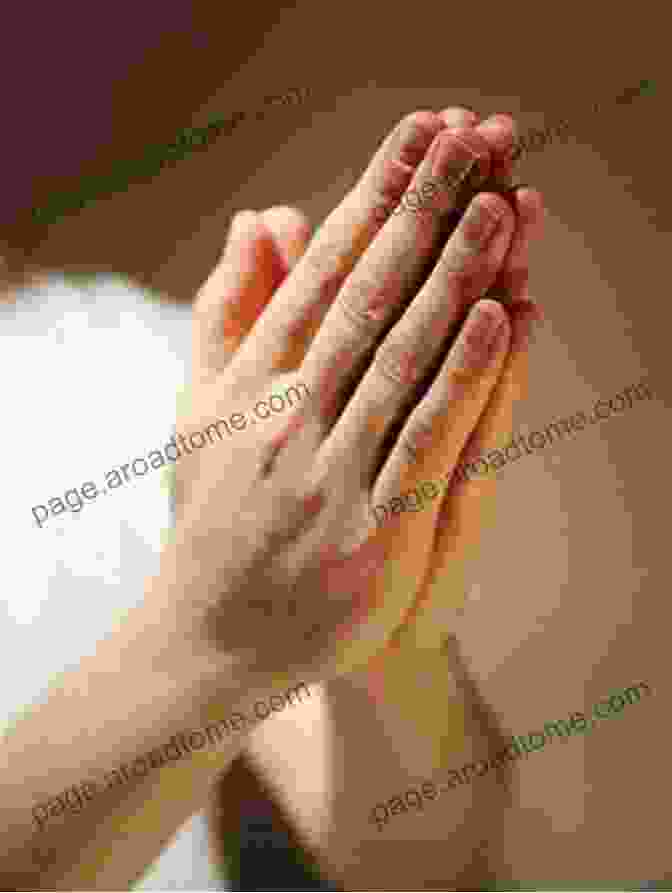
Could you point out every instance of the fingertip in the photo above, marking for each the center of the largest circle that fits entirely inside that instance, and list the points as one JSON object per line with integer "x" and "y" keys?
{"x": 495, "y": 204}
{"x": 285, "y": 219}
{"x": 500, "y": 130}
{"x": 532, "y": 207}
{"x": 460, "y": 116}
{"x": 500, "y": 321}
{"x": 242, "y": 248}
{"x": 243, "y": 226}
{"x": 290, "y": 230}
{"x": 236, "y": 291}
{"x": 492, "y": 307}
{"x": 486, "y": 333}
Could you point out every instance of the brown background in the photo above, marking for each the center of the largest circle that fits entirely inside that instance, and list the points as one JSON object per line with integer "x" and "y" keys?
{"x": 571, "y": 599}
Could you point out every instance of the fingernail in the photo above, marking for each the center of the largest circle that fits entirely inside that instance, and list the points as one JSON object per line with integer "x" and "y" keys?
{"x": 479, "y": 223}
{"x": 482, "y": 333}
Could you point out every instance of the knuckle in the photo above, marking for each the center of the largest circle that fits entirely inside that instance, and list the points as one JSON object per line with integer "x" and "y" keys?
{"x": 388, "y": 187}
{"x": 408, "y": 144}
{"x": 364, "y": 302}
{"x": 473, "y": 239}
{"x": 359, "y": 321}
{"x": 494, "y": 205}
{"x": 427, "y": 430}
{"x": 322, "y": 256}
{"x": 458, "y": 273}
{"x": 413, "y": 135}
{"x": 398, "y": 362}
{"x": 474, "y": 140}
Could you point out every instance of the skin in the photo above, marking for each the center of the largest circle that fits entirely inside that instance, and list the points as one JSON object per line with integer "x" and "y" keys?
{"x": 464, "y": 513}
{"x": 283, "y": 330}
{"x": 302, "y": 533}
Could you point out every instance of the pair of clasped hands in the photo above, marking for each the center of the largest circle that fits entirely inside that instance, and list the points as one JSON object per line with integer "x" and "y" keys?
{"x": 410, "y": 367}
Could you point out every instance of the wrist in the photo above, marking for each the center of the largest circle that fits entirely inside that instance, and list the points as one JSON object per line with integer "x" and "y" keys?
{"x": 233, "y": 683}
{"x": 170, "y": 631}
{"x": 156, "y": 643}
{"x": 227, "y": 698}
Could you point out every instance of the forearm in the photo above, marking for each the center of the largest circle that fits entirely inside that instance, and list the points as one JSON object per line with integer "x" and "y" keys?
{"x": 372, "y": 738}
{"x": 121, "y": 703}
{"x": 131, "y": 828}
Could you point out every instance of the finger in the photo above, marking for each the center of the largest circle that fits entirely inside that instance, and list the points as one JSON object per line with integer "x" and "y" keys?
{"x": 465, "y": 513}
{"x": 500, "y": 131}
{"x": 459, "y": 116}
{"x": 415, "y": 345}
{"x": 232, "y": 296}
{"x": 304, "y": 329}
{"x": 300, "y": 304}
{"x": 291, "y": 229}
{"x": 374, "y": 296}
{"x": 259, "y": 253}
{"x": 285, "y": 461}
{"x": 511, "y": 284}
{"x": 441, "y": 424}
{"x": 469, "y": 502}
